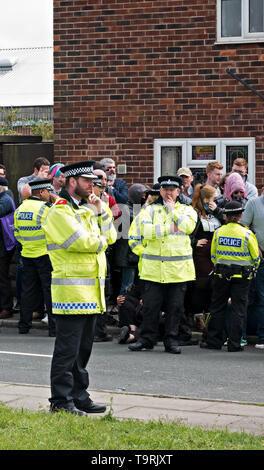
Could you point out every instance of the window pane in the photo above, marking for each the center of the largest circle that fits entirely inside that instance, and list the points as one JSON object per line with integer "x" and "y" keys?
{"x": 256, "y": 16}
{"x": 233, "y": 152}
{"x": 171, "y": 160}
{"x": 231, "y": 18}
{"x": 203, "y": 152}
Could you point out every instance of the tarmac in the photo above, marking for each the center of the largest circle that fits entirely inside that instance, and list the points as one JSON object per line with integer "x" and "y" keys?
{"x": 208, "y": 414}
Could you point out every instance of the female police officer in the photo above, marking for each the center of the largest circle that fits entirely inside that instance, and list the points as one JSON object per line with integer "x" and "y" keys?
{"x": 235, "y": 255}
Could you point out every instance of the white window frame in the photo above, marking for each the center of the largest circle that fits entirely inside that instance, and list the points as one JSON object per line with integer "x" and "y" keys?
{"x": 220, "y": 144}
{"x": 246, "y": 36}
{"x": 201, "y": 142}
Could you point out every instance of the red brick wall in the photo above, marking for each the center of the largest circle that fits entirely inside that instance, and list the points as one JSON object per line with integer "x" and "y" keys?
{"x": 127, "y": 72}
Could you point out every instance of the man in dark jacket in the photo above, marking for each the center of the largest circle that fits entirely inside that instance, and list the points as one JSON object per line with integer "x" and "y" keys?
{"x": 124, "y": 258}
{"x": 116, "y": 187}
{"x": 6, "y": 298}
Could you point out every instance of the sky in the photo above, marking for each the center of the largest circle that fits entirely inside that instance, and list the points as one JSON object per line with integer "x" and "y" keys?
{"x": 26, "y": 23}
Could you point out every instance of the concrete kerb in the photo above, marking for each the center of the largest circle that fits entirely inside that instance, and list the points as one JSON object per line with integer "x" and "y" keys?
{"x": 12, "y": 322}
{"x": 208, "y": 414}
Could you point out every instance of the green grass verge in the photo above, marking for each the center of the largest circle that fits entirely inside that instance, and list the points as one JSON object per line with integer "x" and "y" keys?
{"x": 25, "y": 430}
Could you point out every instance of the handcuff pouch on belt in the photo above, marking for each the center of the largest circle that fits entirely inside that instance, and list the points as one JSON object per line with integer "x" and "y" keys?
{"x": 228, "y": 271}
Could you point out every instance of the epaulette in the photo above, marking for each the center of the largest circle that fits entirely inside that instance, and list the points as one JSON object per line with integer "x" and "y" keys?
{"x": 61, "y": 201}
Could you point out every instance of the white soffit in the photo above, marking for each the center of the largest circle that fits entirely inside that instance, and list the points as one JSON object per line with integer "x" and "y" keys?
{"x": 29, "y": 81}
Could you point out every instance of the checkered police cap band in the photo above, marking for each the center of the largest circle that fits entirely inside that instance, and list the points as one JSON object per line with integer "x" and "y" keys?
{"x": 86, "y": 170}
{"x": 41, "y": 184}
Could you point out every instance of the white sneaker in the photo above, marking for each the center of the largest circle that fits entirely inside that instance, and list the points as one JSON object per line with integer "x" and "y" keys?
{"x": 45, "y": 320}
{"x": 259, "y": 345}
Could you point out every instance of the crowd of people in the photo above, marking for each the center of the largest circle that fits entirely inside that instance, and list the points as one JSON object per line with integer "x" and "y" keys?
{"x": 148, "y": 297}
{"x": 158, "y": 261}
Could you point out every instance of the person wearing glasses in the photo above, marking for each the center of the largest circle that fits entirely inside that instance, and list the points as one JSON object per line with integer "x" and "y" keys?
{"x": 115, "y": 187}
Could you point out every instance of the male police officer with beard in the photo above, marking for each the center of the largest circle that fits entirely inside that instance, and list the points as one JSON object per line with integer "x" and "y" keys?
{"x": 159, "y": 235}
{"x": 77, "y": 237}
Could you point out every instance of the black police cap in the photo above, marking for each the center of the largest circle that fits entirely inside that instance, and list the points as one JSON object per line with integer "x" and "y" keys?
{"x": 155, "y": 190}
{"x": 233, "y": 207}
{"x": 84, "y": 169}
{"x": 41, "y": 184}
{"x": 170, "y": 181}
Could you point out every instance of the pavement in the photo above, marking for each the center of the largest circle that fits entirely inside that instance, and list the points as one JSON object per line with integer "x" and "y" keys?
{"x": 208, "y": 414}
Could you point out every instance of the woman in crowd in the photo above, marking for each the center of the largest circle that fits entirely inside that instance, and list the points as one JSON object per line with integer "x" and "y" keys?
{"x": 210, "y": 217}
{"x": 234, "y": 190}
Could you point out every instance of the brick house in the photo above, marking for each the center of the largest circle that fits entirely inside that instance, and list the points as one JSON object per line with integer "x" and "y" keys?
{"x": 154, "y": 84}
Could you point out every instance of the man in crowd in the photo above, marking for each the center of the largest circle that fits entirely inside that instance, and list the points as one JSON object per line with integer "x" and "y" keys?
{"x": 253, "y": 217}
{"x": 214, "y": 172}
{"x": 159, "y": 235}
{"x": 58, "y": 178}
{"x": 101, "y": 334}
{"x": 6, "y": 297}
{"x": 4, "y": 175}
{"x": 107, "y": 198}
{"x": 77, "y": 235}
{"x": 36, "y": 272}
{"x": 41, "y": 168}
{"x": 240, "y": 166}
{"x": 187, "y": 190}
{"x": 115, "y": 187}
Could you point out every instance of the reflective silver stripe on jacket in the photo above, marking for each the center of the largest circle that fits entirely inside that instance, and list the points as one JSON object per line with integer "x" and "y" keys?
{"x": 42, "y": 209}
{"x": 166, "y": 258}
{"x": 75, "y": 281}
{"x": 158, "y": 231}
{"x": 32, "y": 239}
{"x": 75, "y": 236}
{"x": 107, "y": 227}
{"x": 104, "y": 216}
{"x": 100, "y": 246}
{"x": 238, "y": 262}
{"x": 246, "y": 242}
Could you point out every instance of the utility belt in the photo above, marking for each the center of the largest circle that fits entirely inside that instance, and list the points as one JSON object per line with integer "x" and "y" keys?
{"x": 228, "y": 271}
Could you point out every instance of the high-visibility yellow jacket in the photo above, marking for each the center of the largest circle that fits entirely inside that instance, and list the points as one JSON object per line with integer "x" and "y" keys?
{"x": 77, "y": 252}
{"x": 236, "y": 245}
{"x": 165, "y": 256}
{"x": 28, "y": 220}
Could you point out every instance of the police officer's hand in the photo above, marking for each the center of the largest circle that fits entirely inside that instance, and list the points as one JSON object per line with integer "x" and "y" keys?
{"x": 170, "y": 203}
{"x": 54, "y": 197}
{"x": 96, "y": 202}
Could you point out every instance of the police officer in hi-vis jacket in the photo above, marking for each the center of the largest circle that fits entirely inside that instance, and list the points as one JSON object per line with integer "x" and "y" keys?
{"x": 235, "y": 254}
{"x": 159, "y": 235}
{"x": 28, "y": 220}
{"x": 78, "y": 230}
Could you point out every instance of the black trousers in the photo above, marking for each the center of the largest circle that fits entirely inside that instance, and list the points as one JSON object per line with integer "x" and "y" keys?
{"x": 237, "y": 289}
{"x": 36, "y": 273}
{"x": 169, "y": 297}
{"x": 73, "y": 346}
{"x": 6, "y": 296}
